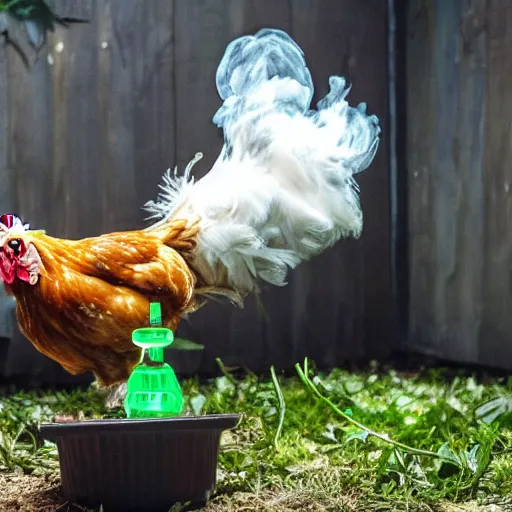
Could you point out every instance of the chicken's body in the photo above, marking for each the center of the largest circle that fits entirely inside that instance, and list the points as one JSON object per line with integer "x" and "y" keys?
{"x": 93, "y": 293}
{"x": 281, "y": 192}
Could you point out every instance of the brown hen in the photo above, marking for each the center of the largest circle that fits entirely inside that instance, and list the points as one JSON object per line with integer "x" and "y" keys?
{"x": 93, "y": 293}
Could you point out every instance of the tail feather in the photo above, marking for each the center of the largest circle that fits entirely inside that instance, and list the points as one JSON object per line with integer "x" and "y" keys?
{"x": 282, "y": 189}
{"x": 252, "y": 60}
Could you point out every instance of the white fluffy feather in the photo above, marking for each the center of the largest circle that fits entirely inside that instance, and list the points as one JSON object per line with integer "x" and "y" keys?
{"x": 282, "y": 189}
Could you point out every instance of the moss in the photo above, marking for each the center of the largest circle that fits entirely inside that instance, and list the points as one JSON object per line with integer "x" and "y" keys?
{"x": 319, "y": 461}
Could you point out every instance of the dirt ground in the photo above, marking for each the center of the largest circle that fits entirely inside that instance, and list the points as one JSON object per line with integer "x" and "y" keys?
{"x": 23, "y": 493}
{"x": 29, "y": 494}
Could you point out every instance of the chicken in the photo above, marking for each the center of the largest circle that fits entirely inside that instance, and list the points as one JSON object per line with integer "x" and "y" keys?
{"x": 281, "y": 191}
{"x": 78, "y": 301}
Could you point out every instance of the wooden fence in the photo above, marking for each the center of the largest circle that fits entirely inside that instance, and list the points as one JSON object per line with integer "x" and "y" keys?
{"x": 87, "y": 132}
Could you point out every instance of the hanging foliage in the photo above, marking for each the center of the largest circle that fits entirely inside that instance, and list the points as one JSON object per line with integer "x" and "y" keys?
{"x": 35, "y": 17}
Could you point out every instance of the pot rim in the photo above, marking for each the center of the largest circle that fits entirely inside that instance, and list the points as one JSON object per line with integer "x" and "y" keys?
{"x": 54, "y": 431}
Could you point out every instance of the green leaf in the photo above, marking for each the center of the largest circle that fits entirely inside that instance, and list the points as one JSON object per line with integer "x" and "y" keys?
{"x": 449, "y": 455}
{"x": 353, "y": 387}
{"x": 224, "y": 384}
{"x": 183, "y": 344}
{"x": 399, "y": 459}
{"x": 492, "y": 410}
{"x": 472, "y": 459}
{"x": 329, "y": 434}
{"x": 403, "y": 401}
{"x": 451, "y": 464}
{"x": 362, "y": 435}
{"x": 197, "y": 402}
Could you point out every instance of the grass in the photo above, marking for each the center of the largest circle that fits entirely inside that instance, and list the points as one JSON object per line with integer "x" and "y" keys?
{"x": 339, "y": 441}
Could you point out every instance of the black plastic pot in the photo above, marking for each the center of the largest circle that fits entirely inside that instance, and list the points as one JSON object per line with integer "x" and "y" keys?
{"x": 139, "y": 465}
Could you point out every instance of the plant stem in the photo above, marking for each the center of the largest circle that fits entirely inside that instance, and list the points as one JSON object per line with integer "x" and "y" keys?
{"x": 224, "y": 370}
{"x": 282, "y": 406}
{"x": 303, "y": 375}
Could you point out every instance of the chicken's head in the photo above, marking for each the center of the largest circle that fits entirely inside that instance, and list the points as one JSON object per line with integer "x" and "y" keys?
{"x": 19, "y": 258}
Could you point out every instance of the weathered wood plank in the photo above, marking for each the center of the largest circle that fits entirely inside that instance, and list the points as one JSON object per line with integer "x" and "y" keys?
{"x": 356, "y": 291}
{"x": 30, "y": 161}
{"x": 76, "y": 59}
{"x": 456, "y": 152}
{"x": 202, "y": 33}
{"x": 137, "y": 105}
{"x": 495, "y": 329}
{"x": 154, "y": 110}
{"x": 6, "y": 194}
{"x": 30, "y": 128}
{"x": 6, "y": 197}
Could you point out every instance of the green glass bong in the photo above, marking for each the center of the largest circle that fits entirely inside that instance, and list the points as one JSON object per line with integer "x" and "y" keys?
{"x": 153, "y": 390}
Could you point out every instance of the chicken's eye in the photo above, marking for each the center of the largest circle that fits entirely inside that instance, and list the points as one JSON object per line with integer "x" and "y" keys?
{"x": 15, "y": 245}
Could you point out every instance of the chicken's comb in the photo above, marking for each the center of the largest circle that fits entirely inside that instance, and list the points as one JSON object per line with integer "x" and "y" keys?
{"x": 9, "y": 221}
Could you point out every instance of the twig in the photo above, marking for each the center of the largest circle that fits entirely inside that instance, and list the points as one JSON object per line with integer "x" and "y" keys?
{"x": 303, "y": 374}
{"x": 282, "y": 406}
